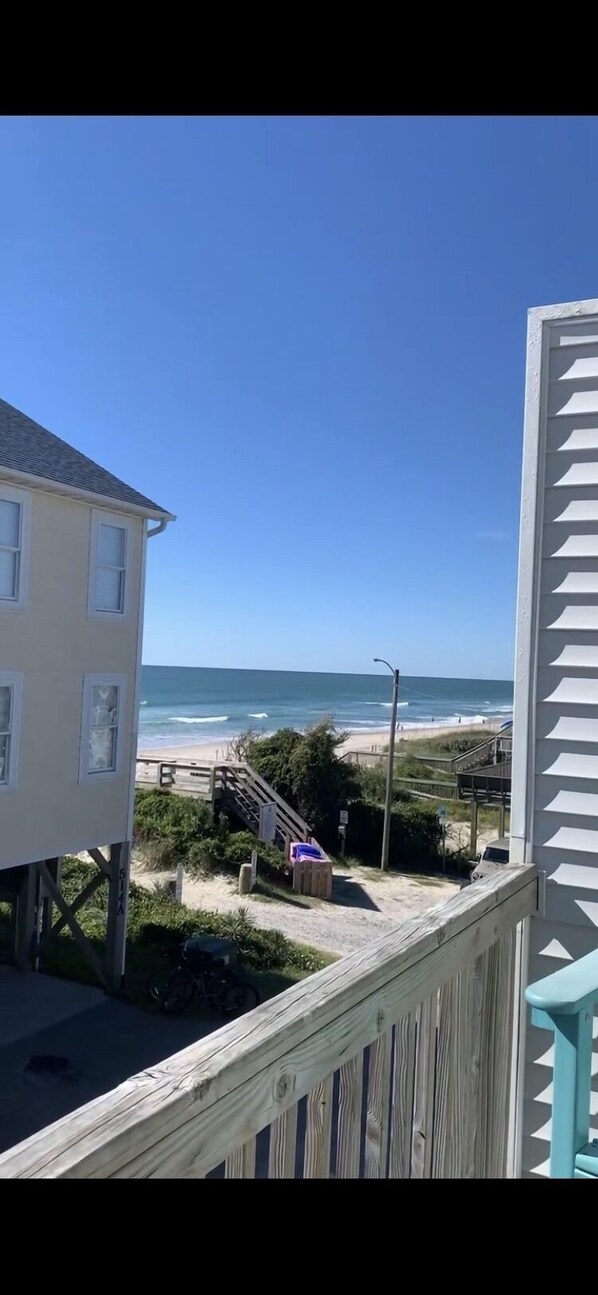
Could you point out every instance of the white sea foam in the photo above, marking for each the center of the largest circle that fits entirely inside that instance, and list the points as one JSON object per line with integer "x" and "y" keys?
{"x": 258, "y": 714}
{"x": 206, "y": 719}
{"x": 386, "y": 703}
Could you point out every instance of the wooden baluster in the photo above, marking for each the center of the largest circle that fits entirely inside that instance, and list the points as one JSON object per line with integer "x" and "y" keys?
{"x": 283, "y": 1144}
{"x": 318, "y": 1123}
{"x": 378, "y": 1104}
{"x": 497, "y": 972}
{"x": 241, "y": 1164}
{"x": 403, "y": 1086}
{"x": 425, "y": 1071}
{"x": 452, "y": 1110}
{"x": 349, "y": 1118}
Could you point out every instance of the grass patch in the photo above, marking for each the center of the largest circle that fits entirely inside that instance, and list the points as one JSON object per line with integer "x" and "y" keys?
{"x": 456, "y": 743}
{"x": 157, "y": 926}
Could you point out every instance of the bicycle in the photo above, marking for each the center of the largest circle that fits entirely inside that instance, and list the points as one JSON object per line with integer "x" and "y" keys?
{"x": 204, "y": 970}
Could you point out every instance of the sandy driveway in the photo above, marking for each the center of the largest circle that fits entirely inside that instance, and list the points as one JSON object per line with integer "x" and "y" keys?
{"x": 365, "y": 905}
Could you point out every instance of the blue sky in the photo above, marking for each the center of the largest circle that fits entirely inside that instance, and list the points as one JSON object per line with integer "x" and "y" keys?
{"x": 306, "y": 338}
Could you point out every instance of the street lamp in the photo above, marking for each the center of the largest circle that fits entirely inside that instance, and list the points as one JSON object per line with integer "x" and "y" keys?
{"x": 391, "y": 759}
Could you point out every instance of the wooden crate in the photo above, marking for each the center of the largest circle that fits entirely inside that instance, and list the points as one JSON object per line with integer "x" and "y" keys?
{"x": 313, "y": 877}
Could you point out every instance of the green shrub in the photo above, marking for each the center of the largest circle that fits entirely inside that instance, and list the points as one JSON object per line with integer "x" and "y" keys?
{"x": 161, "y": 816}
{"x": 208, "y": 855}
{"x": 414, "y": 834}
{"x": 226, "y": 853}
{"x": 372, "y": 785}
{"x": 307, "y": 771}
{"x": 160, "y": 856}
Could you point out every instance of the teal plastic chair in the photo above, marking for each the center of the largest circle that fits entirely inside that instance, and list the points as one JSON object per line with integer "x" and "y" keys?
{"x": 564, "y": 1003}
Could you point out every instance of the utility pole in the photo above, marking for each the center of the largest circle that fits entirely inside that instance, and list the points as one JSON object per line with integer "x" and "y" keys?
{"x": 391, "y": 762}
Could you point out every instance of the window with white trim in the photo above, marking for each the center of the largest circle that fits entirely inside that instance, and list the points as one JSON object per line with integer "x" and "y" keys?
{"x": 109, "y": 576}
{"x": 14, "y": 528}
{"x": 101, "y": 730}
{"x": 10, "y": 713}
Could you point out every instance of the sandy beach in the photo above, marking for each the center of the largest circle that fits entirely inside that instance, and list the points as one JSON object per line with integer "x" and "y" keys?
{"x": 365, "y": 740}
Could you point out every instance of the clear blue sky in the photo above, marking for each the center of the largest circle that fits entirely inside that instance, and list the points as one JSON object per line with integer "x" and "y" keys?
{"x": 306, "y": 338}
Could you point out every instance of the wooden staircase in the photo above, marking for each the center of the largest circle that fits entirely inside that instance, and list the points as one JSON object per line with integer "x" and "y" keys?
{"x": 235, "y": 786}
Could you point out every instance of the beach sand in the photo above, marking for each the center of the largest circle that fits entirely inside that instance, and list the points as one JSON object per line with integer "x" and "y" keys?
{"x": 367, "y": 740}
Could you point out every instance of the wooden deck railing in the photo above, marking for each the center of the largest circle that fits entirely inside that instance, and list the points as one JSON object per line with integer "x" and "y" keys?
{"x": 564, "y": 1003}
{"x": 393, "y": 1062}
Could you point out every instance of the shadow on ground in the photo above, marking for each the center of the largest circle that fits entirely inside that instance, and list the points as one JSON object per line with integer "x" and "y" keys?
{"x": 50, "y": 1071}
{"x": 349, "y": 893}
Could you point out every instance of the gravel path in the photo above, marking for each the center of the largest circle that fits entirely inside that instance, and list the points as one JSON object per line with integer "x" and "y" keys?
{"x": 365, "y": 905}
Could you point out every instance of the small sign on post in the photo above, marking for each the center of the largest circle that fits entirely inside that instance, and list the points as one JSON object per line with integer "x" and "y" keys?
{"x": 343, "y": 817}
{"x": 267, "y": 828}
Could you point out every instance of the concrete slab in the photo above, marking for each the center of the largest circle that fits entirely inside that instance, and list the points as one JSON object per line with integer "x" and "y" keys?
{"x": 102, "y": 1041}
{"x": 29, "y": 1002}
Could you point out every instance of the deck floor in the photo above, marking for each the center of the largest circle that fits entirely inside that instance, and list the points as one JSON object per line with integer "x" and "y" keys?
{"x": 103, "y": 1041}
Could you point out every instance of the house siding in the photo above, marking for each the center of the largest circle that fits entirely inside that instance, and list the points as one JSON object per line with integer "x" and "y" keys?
{"x": 53, "y": 644}
{"x": 554, "y": 821}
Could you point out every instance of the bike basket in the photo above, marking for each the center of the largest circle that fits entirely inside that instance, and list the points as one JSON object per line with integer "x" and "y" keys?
{"x": 209, "y": 951}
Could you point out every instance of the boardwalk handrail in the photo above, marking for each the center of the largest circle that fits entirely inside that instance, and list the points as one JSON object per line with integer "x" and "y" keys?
{"x": 234, "y": 780}
{"x": 412, "y": 1034}
{"x": 471, "y": 758}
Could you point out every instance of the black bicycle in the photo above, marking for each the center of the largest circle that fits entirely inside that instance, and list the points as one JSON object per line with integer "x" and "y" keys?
{"x": 205, "y": 970}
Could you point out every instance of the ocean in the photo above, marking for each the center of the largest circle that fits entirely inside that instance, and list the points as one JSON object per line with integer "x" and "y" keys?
{"x": 183, "y": 705}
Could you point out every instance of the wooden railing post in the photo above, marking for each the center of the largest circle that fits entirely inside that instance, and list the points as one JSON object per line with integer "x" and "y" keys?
{"x": 473, "y": 840}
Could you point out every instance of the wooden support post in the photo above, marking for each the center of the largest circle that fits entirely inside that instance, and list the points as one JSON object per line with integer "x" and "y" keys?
{"x": 27, "y": 918}
{"x": 47, "y": 903}
{"x": 501, "y": 816}
{"x": 473, "y": 841}
{"x": 100, "y": 862}
{"x": 118, "y": 903}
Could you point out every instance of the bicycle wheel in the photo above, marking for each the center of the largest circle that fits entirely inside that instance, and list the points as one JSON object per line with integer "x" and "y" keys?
{"x": 158, "y": 982}
{"x": 177, "y": 994}
{"x": 238, "y": 998}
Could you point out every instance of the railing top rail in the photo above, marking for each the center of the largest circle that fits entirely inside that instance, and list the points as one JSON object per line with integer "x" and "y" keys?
{"x": 189, "y": 1112}
{"x": 493, "y": 740}
{"x": 568, "y": 991}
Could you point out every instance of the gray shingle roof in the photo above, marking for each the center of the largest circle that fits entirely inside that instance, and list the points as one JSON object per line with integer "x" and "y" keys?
{"x": 27, "y": 447}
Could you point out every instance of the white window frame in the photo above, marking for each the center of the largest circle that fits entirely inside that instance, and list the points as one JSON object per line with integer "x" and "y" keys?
{"x": 101, "y": 518}
{"x": 13, "y": 679}
{"x": 91, "y": 681}
{"x": 23, "y": 498}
